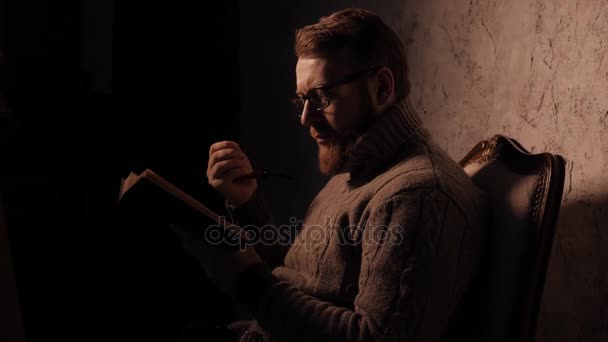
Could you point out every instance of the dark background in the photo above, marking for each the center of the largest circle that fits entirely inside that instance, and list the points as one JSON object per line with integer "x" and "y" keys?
{"x": 188, "y": 75}
{"x": 89, "y": 96}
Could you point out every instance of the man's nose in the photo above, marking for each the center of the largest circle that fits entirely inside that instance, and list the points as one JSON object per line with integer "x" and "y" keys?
{"x": 309, "y": 114}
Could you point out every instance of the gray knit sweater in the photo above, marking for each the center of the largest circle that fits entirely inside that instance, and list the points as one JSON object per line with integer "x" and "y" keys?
{"x": 386, "y": 250}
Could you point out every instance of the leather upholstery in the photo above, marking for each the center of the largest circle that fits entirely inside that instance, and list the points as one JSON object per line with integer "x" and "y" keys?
{"x": 525, "y": 192}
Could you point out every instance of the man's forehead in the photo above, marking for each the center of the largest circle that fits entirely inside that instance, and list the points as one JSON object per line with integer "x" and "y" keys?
{"x": 311, "y": 72}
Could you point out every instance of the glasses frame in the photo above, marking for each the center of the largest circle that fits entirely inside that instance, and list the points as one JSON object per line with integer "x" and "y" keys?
{"x": 300, "y": 100}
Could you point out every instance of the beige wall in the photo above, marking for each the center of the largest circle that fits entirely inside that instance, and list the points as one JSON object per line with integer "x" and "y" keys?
{"x": 536, "y": 70}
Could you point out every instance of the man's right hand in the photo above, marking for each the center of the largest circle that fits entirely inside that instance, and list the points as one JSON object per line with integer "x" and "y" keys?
{"x": 226, "y": 170}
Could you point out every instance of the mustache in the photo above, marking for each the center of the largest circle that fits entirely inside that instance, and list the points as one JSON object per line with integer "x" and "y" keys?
{"x": 322, "y": 132}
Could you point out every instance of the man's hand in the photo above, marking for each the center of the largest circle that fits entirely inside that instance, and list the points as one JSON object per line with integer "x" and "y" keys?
{"x": 225, "y": 171}
{"x": 221, "y": 265}
{"x": 224, "y": 266}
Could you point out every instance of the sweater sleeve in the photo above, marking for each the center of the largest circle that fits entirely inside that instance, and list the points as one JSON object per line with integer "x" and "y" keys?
{"x": 255, "y": 217}
{"x": 254, "y": 212}
{"x": 386, "y": 306}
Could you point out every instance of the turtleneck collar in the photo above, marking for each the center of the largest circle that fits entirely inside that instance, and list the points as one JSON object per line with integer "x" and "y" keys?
{"x": 395, "y": 131}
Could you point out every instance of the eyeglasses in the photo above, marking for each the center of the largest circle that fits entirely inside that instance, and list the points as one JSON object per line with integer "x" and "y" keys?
{"x": 318, "y": 96}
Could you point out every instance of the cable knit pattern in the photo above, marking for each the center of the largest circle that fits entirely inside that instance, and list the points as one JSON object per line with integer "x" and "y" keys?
{"x": 386, "y": 251}
{"x": 402, "y": 126}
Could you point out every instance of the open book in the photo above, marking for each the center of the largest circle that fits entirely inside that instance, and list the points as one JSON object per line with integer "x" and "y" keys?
{"x": 150, "y": 197}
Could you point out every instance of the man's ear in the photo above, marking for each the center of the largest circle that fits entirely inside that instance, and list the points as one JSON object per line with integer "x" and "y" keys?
{"x": 382, "y": 90}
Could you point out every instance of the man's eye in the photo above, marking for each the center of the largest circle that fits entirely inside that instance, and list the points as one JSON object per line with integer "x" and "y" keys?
{"x": 317, "y": 94}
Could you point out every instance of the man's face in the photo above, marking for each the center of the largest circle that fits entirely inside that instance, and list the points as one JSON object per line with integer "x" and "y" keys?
{"x": 337, "y": 127}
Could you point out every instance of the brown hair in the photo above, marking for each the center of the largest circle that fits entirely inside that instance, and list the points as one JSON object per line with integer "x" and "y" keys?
{"x": 371, "y": 41}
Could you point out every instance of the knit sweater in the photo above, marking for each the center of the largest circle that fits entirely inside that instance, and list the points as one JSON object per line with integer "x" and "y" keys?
{"x": 386, "y": 250}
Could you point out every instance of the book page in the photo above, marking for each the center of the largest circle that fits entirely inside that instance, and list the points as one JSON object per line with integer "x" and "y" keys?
{"x": 127, "y": 183}
{"x": 167, "y": 186}
{"x": 174, "y": 191}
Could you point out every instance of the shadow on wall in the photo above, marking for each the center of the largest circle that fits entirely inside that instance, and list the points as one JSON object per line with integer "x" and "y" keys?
{"x": 574, "y": 282}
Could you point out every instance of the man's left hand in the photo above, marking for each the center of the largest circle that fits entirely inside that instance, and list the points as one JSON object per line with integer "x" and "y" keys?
{"x": 221, "y": 264}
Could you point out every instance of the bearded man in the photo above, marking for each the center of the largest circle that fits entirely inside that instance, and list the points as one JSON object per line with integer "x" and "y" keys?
{"x": 393, "y": 241}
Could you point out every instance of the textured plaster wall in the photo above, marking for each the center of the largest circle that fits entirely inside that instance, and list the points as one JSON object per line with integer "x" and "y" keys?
{"x": 535, "y": 70}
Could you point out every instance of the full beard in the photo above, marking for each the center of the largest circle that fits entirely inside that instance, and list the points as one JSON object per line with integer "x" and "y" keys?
{"x": 335, "y": 154}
